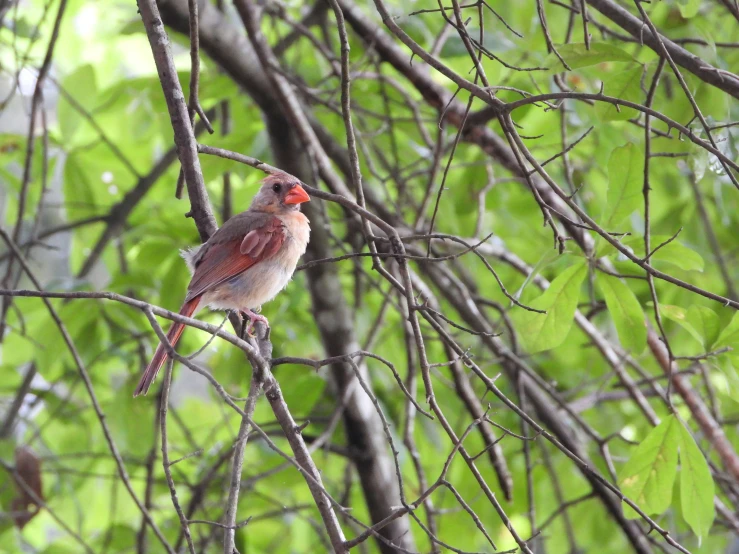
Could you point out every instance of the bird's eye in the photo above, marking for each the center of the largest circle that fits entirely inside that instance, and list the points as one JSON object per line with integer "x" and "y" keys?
{"x": 276, "y": 188}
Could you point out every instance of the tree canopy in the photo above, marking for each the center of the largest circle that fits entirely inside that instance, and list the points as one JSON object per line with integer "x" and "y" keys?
{"x": 515, "y": 327}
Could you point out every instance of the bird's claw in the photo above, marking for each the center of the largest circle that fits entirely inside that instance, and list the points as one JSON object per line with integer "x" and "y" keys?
{"x": 250, "y": 318}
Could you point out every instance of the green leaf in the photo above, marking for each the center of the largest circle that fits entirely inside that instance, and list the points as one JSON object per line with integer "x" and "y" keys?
{"x": 648, "y": 476}
{"x": 696, "y": 485}
{"x": 125, "y": 424}
{"x": 688, "y": 8}
{"x": 301, "y": 388}
{"x": 79, "y": 191}
{"x": 627, "y": 313}
{"x": 80, "y": 85}
{"x": 625, "y": 176}
{"x": 730, "y": 334}
{"x": 673, "y": 252}
{"x": 577, "y": 55}
{"x": 60, "y": 548}
{"x": 544, "y": 331}
{"x": 240, "y": 539}
{"x": 624, "y": 85}
{"x": 706, "y": 323}
{"x": 548, "y": 257}
{"x": 678, "y": 254}
{"x": 118, "y": 537}
{"x": 133, "y": 27}
{"x": 174, "y": 282}
{"x": 680, "y": 316}
{"x": 23, "y": 28}
{"x": 702, "y": 323}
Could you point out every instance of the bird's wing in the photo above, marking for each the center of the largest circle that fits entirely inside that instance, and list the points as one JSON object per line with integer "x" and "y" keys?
{"x": 238, "y": 248}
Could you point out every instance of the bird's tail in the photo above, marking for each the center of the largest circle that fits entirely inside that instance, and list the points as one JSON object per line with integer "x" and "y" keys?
{"x": 151, "y": 371}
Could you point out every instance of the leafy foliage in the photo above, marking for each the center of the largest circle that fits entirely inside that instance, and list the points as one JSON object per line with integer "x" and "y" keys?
{"x": 542, "y": 331}
{"x": 650, "y": 473}
{"x": 627, "y": 314}
{"x": 104, "y": 148}
{"x": 696, "y": 485}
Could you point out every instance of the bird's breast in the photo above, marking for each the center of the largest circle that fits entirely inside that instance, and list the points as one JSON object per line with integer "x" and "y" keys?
{"x": 264, "y": 280}
{"x": 298, "y": 229}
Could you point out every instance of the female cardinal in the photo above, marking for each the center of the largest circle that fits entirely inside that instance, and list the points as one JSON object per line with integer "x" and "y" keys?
{"x": 246, "y": 262}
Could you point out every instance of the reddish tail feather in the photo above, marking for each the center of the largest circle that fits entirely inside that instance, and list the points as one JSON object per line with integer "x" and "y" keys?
{"x": 174, "y": 334}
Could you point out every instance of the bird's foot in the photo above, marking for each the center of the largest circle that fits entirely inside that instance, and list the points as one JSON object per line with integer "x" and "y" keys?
{"x": 250, "y": 318}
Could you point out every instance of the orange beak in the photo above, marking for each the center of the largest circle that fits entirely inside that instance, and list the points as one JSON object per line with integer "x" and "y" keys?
{"x": 297, "y": 195}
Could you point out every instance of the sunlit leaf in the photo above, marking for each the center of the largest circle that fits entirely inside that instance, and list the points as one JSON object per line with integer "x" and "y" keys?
{"x": 679, "y": 315}
{"x": 118, "y": 538}
{"x": 696, "y": 485}
{"x": 544, "y": 331}
{"x": 132, "y": 423}
{"x": 577, "y": 55}
{"x": 80, "y": 85}
{"x": 627, "y": 314}
{"x": 673, "y": 252}
{"x": 729, "y": 336}
{"x": 174, "y": 282}
{"x": 648, "y": 477}
{"x": 625, "y": 178}
{"x": 59, "y": 548}
{"x": 624, "y": 85}
{"x": 301, "y": 388}
{"x": 705, "y": 321}
{"x": 78, "y": 187}
{"x": 688, "y": 8}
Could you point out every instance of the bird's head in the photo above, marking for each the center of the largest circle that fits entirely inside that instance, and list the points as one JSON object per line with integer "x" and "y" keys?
{"x": 280, "y": 193}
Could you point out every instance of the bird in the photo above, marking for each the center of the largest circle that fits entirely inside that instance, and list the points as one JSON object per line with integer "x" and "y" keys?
{"x": 245, "y": 263}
